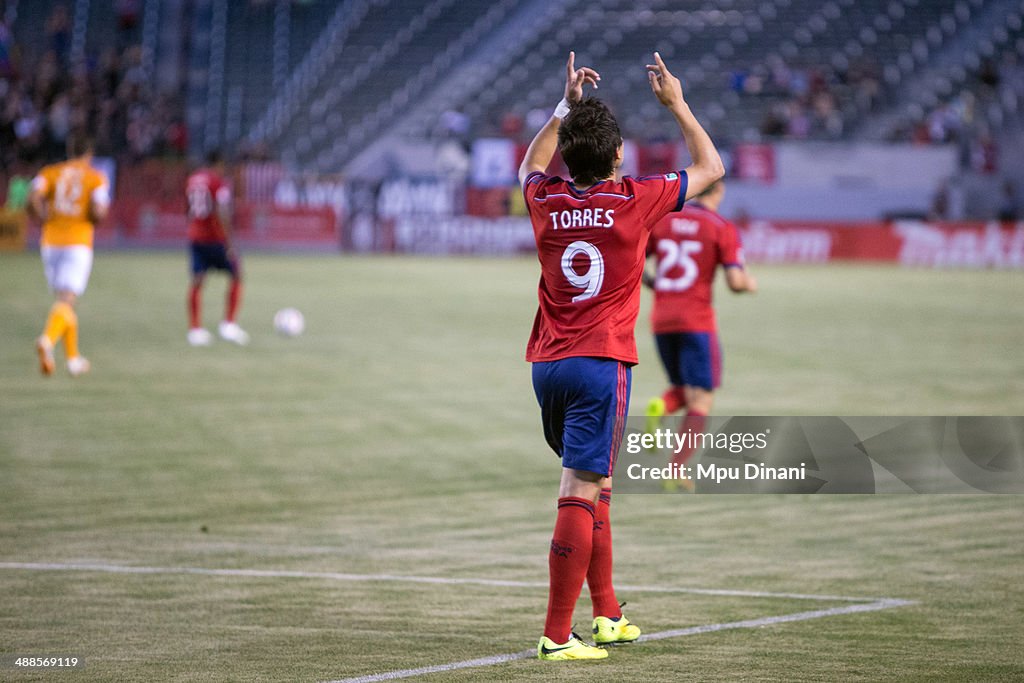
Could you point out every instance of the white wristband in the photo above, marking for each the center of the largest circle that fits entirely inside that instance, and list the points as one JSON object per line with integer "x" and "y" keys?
{"x": 562, "y": 110}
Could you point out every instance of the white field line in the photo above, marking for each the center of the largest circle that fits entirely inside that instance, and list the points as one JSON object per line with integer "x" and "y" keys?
{"x": 399, "y": 578}
{"x": 881, "y": 604}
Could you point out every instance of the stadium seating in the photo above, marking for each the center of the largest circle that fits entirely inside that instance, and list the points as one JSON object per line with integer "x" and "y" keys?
{"x": 319, "y": 82}
{"x": 740, "y": 60}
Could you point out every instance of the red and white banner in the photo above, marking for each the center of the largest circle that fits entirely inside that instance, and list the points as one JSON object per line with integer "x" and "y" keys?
{"x": 909, "y": 243}
{"x": 137, "y": 222}
{"x": 754, "y": 162}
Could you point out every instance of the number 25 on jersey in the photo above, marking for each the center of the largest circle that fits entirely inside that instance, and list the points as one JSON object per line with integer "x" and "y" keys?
{"x": 672, "y": 254}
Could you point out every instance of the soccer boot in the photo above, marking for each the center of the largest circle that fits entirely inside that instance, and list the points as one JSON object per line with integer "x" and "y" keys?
{"x": 655, "y": 411}
{"x": 198, "y": 336}
{"x": 44, "y": 348}
{"x": 575, "y": 648}
{"x": 608, "y": 631}
{"x": 233, "y": 333}
{"x": 78, "y": 366}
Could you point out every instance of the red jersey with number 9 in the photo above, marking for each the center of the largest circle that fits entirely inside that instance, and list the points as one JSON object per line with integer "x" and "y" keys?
{"x": 205, "y": 190}
{"x": 689, "y": 246}
{"x": 591, "y": 245}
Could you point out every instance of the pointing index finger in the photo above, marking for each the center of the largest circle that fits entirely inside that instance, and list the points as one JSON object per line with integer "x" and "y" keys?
{"x": 661, "y": 63}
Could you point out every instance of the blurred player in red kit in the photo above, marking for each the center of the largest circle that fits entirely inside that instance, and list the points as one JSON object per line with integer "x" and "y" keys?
{"x": 591, "y": 233}
{"x": 688, "y": 247}
{"x": 209, "y": 234}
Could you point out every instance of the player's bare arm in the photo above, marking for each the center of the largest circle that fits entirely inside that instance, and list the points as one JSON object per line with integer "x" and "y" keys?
{"x": 224, "y": 214}
{"x": 707, "y": 166}
{"x": 98, "y": 213}
{"x": 647, "y": 278}
{"x": 37, "y": 202}
{"x": 99, "y": 205}
{"x": 543, "y": 146}
{"x": 739, "y": 280}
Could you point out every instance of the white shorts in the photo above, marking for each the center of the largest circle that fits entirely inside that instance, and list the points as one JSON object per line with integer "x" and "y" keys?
{"x": 67, "y": 268}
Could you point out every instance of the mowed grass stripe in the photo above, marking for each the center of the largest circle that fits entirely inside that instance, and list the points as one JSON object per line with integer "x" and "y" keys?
{"x": 443, "y": 580}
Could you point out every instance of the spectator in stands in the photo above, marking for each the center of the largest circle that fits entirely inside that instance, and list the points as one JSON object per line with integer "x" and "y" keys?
{"x": 1009, "y": 207}
{"x": 988, "y": 73}
{"x": 940, "y": 203}
{"x": 1011, "y": 81}
{"x": 44, "y": 102}
{"x": 798, "y": 124}
{"x": 773, "y": 125}
{"x": 58, "y": 34}
{"x": 8, "y": 138}
{"x": 949, "y": 203}
{"x": 58, "y": 125}
{"x": 127, "y": 20}
{"x": 984, "y": 153}
{"x": 6, "y": 52}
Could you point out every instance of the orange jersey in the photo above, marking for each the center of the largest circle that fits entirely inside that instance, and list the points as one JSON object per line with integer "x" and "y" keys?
{"x": 70, "y": 190}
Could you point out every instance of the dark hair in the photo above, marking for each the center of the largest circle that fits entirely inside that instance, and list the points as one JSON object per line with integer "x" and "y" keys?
{"x": 79, "y": 145}
{"x": 589, "y": 140}
{"x": 214, "y": 157}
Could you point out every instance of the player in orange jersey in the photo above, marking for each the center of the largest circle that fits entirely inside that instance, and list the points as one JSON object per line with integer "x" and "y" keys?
{"x": 68, "y": 198}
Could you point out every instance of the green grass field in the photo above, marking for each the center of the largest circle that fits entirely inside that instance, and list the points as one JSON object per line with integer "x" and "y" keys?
{"x": 399, "y": 436}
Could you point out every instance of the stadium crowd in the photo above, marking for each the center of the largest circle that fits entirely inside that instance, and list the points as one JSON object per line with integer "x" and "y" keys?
{"x": 806, "y": 100}
{"x": 47, "y": 97}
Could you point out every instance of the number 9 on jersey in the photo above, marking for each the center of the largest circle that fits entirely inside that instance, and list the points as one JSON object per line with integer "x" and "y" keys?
{"x": 590, "y": 281}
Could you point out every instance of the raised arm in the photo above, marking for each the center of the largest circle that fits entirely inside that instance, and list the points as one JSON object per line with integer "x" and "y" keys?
{"x": 540, "y": 151}
{"x": 706, "y": 167}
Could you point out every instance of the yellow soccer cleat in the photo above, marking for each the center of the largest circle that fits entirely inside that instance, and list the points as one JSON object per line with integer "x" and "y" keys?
{"x": 551, "y": 651}
{"x": 655, "y": 411}
{"x": 608, "y": 631}
{"x": 44, "y": 347}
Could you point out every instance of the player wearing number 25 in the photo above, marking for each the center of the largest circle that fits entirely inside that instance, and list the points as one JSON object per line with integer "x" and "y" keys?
{"x": 69, "y": 199}
{"x": 591, "y": 233}
{"x": 689, "y": 246}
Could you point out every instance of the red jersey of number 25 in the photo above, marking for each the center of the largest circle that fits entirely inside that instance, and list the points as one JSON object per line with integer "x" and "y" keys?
{"x": 689, "y": 246}
{"x": 205, "y": 190}
{"x": 591, "y": 245}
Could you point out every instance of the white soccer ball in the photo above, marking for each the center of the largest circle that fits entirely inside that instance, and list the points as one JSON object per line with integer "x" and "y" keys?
{"x": 289, "y": 322}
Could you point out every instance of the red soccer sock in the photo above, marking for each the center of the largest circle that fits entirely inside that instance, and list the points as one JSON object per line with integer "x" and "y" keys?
{"x": 567, "y": 564}
{"x": 674, "y": 399}
{"x": 195, "y": 296}
{"x": 692, "y": 422}
{"x": 599, "y": 573}
{"x": 234, "y": 299}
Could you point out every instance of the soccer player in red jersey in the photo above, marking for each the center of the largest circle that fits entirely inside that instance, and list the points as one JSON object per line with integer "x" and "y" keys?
{"x": 209, "y": 235}
{"x": 689, "y": 246}
{"x": 591, "y": 233}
